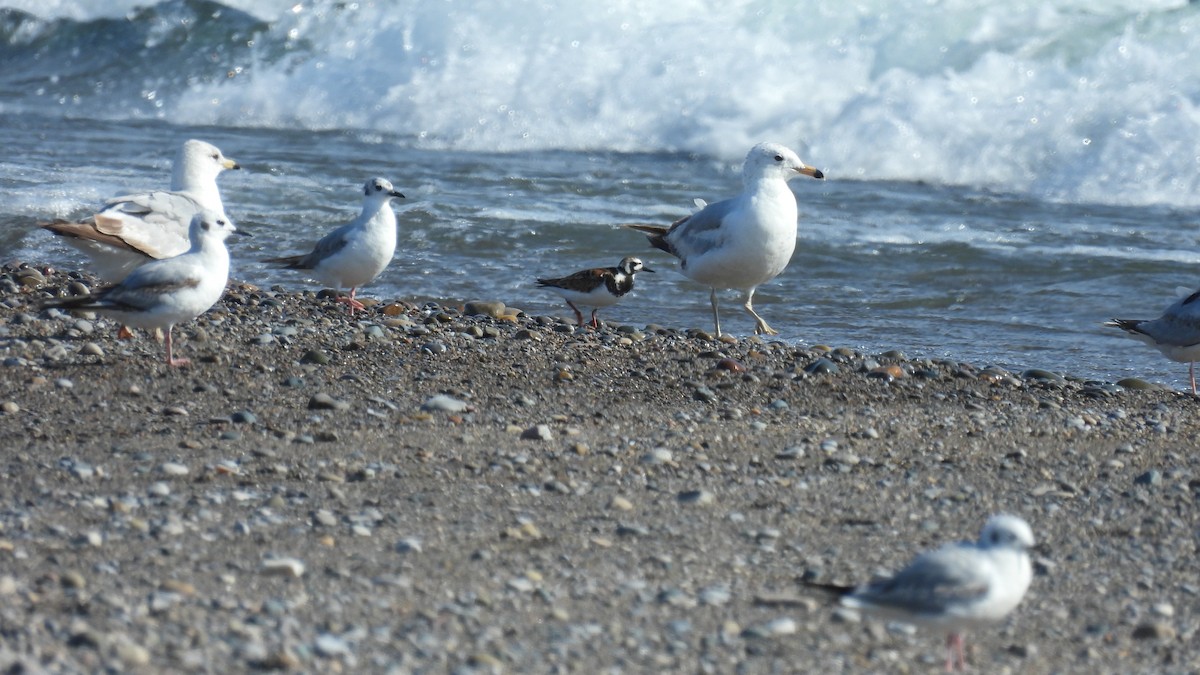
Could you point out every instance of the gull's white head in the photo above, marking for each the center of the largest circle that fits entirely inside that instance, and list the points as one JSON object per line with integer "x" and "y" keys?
{"x": 207, "y": 226}
{"x": 1006, "y": 531}
{"x": 380, "y": 188}
{"x": 772, "y": 160}
{"x": 198, "y": 163}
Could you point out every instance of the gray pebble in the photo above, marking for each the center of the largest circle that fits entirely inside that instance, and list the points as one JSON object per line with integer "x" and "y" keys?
{"x": 632, "y": 530}
{"x": 773, "y": 628}
{"x": 444, "y": 403}
{"x": 541, "y": 432}
{"x": 315, "y": 356}
{"x": 658, "y": 456}
{"x": 1151, "y": 477}
{"x": 1154, "y": 630}
{"x": 434, "y": 347}
{"x": 715, "y": 595}
{"x": 484, "y": 308}
{"x": 329, "y": 645}
{"x": 821, "y": 366}
{"x": 701, "y": 497}
{"x": 174, "y": 469}
{"x": 323, "y": 401}
{"x": 408, "y": 545}
{"x": 794, "y": 452}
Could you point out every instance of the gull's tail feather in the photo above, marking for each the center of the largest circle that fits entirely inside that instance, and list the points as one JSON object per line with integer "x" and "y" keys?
{"x": 657, "y": 234}
{"x": 831, "y": 591}
{"x": 85, "y": 229}
{"x": 1127, "y": 325}
{"x": 294, "y": 262}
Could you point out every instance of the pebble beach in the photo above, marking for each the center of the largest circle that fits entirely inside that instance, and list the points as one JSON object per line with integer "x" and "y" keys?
{"x": 472, "y": 489}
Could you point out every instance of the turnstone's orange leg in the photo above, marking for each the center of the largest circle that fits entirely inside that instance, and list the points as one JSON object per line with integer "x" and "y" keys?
{"x": 578, "y": 314}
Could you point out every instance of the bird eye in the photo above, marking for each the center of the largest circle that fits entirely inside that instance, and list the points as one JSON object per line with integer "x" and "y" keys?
{"x": 216, "y": 157}
{"x": 778, "y": 158}
{"x": 378, "y": 187}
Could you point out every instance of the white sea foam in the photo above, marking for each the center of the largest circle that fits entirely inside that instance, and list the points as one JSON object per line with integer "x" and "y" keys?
{"x": 1079, "y": 100}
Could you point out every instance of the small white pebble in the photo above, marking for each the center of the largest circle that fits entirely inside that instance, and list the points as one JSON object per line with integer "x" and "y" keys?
{"x": 282, "y": 567}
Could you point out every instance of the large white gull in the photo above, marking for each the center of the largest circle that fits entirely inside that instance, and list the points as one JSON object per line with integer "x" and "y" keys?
{"x": 741, "y": 242}
{"x": 133, "y": 229}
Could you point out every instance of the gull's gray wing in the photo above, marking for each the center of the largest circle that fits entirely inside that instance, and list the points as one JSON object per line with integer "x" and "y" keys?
{"x": 1179, "y": 326}
{"x": 933, "y": 584}
{"x": 701, "y": 230}
{"x": 153, "y": 223}
{"x": 161, "y": 207}
{"x": 331, "y": 244}
{"x": 145, "y": 286}
{"x": 326, "y": 247}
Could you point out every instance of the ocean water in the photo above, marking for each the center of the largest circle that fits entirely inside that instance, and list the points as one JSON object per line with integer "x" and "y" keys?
{"x": 1002, "y": 177}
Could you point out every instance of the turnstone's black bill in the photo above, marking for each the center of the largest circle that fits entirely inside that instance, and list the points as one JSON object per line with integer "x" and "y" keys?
{"x": 744, "y": 241}
{"x": 595, "y": 288}
{"x": 355, "y": 253}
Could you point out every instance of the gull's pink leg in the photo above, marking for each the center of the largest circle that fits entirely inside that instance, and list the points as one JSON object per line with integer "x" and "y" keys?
{"x": 578, "y": 314}
{"x": 354, "y": 304}
{"x": 171, "y": 360}
{"x": 1192, "y": 373}
{"x": 595, "y": 323}
{"x": 954, "y": 652}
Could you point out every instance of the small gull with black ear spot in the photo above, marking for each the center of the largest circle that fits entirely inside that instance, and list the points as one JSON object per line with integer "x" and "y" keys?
{"x": 354, "y": 254}
{"x": 162, "y": 293}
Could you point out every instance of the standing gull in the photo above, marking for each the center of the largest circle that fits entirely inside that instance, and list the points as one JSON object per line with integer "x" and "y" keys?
{"x": 959, "y": 586}
{"x": 744, "y": 241}
{"x": 1176, "y": 333}
{"x": 162, "y": 293}
{"x": 137, "y": 228}
{"x": 596, "y": 288}
{"x": 354, "y": 254}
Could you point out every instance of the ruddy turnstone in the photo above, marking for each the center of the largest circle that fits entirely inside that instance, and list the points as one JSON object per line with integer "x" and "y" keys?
{"x": 134, "y": 229}
{"x": 162, "y": 293}
{"x": 595, "y": 288}
{"x": 1176, "y": 333}
{"x": 744, "y": 241}
{"x": 355, "y": 253}
{"x": 959, "y": 586}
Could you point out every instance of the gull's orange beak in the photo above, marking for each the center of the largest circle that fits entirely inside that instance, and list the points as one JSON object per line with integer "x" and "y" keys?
{"x": 815, "y": 173}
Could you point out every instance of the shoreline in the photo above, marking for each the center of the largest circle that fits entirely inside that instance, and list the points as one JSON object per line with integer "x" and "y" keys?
{"x": 515, "y": 496}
